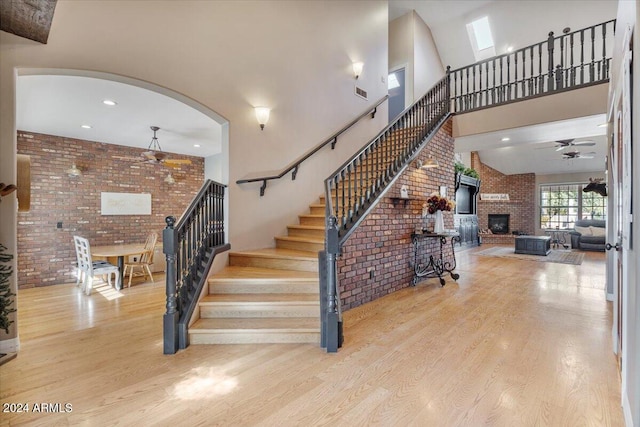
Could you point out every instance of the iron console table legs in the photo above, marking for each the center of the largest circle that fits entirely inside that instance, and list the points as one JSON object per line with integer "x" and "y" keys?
{"x": 434, "y": 266}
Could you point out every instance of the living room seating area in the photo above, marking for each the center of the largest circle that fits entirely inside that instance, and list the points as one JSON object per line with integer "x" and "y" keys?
{"x": 589, "y": 235}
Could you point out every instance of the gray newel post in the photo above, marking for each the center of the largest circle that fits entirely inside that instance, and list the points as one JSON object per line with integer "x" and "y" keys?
{"x": 333, "y": 318}
{"x": 170, "y": 319}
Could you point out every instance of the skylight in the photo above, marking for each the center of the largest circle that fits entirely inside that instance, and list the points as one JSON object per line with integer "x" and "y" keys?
{"x": 482, "y": 33}
{"x": 481, "y": 39}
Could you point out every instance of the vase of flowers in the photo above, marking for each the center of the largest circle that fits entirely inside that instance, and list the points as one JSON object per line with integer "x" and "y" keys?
{"x": 435, "y": 204}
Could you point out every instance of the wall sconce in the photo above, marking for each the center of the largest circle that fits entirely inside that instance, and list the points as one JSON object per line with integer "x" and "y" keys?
{"x": 262, "y": 115}
{"x": 431, "y": 162}
{"x": 170, "y": 180}
{"x": 357, "y": 69}
{"x": 73, "y": 172}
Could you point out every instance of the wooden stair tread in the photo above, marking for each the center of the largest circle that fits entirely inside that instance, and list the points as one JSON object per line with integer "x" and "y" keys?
{"x": 277, "y": 253}
{"x": 301, "y": 239}
{"x": 279, "y": 324}
{"x": 258, "y": 274}
{"x": 307, "y": 227}
{"x": 257, "y": 299}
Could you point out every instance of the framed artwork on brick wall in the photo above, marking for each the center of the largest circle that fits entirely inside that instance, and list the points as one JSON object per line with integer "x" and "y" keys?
{"x": 125, "y": 203}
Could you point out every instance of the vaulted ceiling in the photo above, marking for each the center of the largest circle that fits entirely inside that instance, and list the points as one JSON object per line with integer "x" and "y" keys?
{"x": 62, "y": 110}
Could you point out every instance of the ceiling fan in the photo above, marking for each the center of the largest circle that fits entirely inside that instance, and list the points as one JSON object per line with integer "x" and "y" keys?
{"x": 578, "y": 155}
{"x": 564, "y": 143}
{"x": 157, "y": 156}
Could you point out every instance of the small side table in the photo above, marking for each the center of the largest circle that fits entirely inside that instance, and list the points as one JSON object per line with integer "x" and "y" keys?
{"x": 558, "y": 238}
{"x": 433, "y": 265}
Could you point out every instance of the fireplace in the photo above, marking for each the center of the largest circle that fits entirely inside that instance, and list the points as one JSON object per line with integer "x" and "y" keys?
{"x": 499, "y": 223}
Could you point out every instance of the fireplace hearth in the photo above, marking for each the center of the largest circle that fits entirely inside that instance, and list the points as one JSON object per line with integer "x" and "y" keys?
{"x": 499, "y": 223}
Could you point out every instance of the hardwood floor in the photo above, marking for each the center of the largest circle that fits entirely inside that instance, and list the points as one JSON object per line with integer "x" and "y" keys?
{"x": 513, "y": 343}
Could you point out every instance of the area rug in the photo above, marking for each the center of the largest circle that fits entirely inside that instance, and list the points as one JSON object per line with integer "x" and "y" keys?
{"x": 566, "y": 256}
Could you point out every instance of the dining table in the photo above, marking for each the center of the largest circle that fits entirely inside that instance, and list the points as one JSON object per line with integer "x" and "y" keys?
{"x": 117, "y": 252}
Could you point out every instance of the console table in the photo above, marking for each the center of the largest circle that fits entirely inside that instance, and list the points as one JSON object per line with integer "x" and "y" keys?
{"x": 433, "y": 265}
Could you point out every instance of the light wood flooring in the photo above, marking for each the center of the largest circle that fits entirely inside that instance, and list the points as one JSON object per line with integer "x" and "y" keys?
{"x": 513, "y": 343}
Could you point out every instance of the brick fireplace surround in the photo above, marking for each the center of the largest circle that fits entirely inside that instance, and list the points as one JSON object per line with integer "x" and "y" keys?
{"x": 521, "y": 189}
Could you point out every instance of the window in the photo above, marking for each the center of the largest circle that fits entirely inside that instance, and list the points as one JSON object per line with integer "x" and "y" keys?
{"x": 562, "y": 205}
{"x": 479, "y": 32}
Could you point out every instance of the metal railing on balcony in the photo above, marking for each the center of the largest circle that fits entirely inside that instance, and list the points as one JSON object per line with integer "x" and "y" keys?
{"x": 570, "y": 61}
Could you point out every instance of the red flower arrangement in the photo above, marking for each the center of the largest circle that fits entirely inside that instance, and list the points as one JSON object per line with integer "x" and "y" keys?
{"x": 437, "y": 203}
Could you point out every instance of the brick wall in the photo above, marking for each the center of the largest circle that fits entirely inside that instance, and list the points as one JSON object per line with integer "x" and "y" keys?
{"x": 382, "y": 243}
{"x": 46, "y": 253}
{"x": 521, "y": 189}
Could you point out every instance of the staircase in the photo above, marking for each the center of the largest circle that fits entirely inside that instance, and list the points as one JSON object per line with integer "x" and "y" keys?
{"x": 271, "y": 295}
{"x": 267, "y": 295}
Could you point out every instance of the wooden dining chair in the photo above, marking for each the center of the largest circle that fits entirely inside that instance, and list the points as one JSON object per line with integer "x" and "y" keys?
{"x": 89, "y": 268}
{"x": 145, "y": 260}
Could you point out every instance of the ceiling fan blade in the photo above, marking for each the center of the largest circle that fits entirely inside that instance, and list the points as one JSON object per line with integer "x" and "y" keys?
{"x": 585, "y": 157}
{"x": 562, "y": 147}
{"x": 584, "y": 143}
{"x": 178, "y": 161}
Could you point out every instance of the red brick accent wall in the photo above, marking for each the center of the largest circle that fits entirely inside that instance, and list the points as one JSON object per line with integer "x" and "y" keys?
{"x": 521, "y": 189}
{"x": 382, "y": 244}
{"x": 46, "y": 253}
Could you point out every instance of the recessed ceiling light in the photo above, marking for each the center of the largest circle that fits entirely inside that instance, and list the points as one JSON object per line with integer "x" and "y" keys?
{"x": 86, "y": 126}
{"x": 109, "y": 102}
{"x": 196, "y": 145}
{"x": 505, "y": 139}
{"x": 509, "y": 48}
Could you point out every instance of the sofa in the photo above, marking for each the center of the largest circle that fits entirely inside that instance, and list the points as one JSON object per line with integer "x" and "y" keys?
{"x": 589, "y": 235}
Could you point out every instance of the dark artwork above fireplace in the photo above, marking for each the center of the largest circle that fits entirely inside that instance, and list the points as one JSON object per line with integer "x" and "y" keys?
{"x": 499, "y": 223}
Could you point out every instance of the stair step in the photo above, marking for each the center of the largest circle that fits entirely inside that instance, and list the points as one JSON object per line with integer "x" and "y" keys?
{"x": 255, "y": 330}
{"x": 233, "y": 279}
{"x": 312, "y": 219}
{"x": 317, "y": 209}
{"x": 306, "y": 231}
{"x": 260, "y": 305}
{"x": 276, "y": 258}
{"x": 310, "y": 244}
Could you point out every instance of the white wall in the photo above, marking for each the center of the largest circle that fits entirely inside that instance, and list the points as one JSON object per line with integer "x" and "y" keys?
{"x": 294, "y": 57}
{"x": 411, "y": 46}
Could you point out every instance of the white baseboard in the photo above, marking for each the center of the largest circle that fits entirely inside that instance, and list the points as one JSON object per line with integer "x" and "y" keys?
{"x": 10, "y": 346}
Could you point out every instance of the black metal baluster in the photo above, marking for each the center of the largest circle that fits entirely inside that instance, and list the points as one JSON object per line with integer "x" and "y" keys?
{"x": 593, "y": 56}
{"x": 572, "y": 77}
{"x": 532, "y": 81}
{"x": 581, "y": 57}
{"x": 550, "y": 80}
{"x": 501, "y": 91}
{"x": 605, "y": 73}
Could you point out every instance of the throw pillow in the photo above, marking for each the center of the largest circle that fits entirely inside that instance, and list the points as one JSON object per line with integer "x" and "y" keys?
{"x": 598, "y": 231}
{"x": 585, "y": 231}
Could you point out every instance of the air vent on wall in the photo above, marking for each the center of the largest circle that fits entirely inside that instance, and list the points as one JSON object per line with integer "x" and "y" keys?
{"x": 361, "y": 92}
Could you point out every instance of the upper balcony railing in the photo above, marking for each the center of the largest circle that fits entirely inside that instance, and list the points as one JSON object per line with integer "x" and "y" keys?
{"x": 570, "y": 61}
